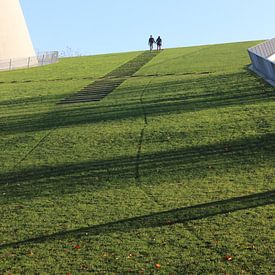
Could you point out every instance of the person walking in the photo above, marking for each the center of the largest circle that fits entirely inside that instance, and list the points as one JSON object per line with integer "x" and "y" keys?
{"x": 159, "y": 43}
{"x": 151, "y": 42}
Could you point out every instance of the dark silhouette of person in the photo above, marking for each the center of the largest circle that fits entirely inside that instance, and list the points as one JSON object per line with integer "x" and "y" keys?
{"x": 151, "y": 42}
{"x": 159, "y": 43}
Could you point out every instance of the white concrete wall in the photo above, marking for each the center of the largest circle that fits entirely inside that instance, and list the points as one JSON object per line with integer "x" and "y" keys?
{"x": 272, "y": 57}
{"x": 15, "y": 41}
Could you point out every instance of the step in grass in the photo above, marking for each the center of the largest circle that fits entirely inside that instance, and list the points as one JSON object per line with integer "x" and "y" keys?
{"x": 110, "y": 81}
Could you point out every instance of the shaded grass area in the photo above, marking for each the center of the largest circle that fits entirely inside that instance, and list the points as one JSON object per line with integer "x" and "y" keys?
{"x": 214, "y": 96}
{"x": 175, "y": 168}
{"x": 192, "y": 160}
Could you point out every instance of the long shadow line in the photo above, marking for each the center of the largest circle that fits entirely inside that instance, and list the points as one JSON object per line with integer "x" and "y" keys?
{"x": 231, "y": 151}
{"x": 88, "y": 115}
{"x": 139, "y": 150}
{"x": 37, "y": 145}
{"x": 64, "y": 118}
{"x": 40, "y": 142}
{"x": 206, "y": 82}
{"x": 54, "y": 98}
{"x": 186, "y": 83}
{"x": 160, "y": 219}
{"x": 138, "y": 155}
{"x": 137, "y": 172}
{"x": 152, "y": 75}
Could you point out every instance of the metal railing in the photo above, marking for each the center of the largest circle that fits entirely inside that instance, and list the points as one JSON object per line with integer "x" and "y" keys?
{"x": 41, "y": 59}
{"x": 261, "y": 64}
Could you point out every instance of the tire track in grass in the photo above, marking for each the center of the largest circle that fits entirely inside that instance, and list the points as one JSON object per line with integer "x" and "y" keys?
{"x": 216, "y": 250}
{"x": 212, "y": 245}
{"x": 141, "y": 136}
{"x": 139, "y": 150}
{"x": 40, "y": 142}
{"x": 138, "y": 162}
{"x": 138, "y": 156}
{"x": 127, "y": 69}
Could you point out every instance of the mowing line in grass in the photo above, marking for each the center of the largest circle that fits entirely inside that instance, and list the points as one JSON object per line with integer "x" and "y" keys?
{"x": 40, "y": 142}
{"x": 141, "y": 133}
{"x": 148, "y": 193}
{"x": 139, "y": 148}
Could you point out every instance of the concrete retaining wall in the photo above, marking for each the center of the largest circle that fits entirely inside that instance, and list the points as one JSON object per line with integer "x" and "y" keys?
{"x": 261, "y": 64}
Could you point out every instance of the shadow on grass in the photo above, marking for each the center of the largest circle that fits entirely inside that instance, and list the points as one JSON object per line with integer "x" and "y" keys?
{"x": 30, "y": 100}
{"x": 161, "y": 98}
{"x": 187, "y": 162}
{"x": 160, "y": 219}
{"x": 46, "y": 80}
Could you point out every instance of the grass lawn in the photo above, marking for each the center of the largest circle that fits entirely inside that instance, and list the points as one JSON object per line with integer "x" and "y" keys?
{"x": 172, "y": 173}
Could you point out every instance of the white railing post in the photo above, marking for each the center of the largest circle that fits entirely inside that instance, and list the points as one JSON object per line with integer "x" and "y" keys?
{"x": 52, "y": 58}
{"x": 29, "y": 59}
{"x": 43, "y": 60}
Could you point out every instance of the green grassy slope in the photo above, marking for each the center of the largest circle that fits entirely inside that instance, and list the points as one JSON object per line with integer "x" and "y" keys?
{"x": 175, "y": 167}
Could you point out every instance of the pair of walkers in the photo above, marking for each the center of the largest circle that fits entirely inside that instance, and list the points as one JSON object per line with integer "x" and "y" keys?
{"x": 152, "y": 41}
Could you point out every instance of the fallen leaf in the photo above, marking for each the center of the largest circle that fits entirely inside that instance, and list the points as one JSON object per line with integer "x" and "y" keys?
{"x": 252, "y": 246}
{"x": 129, "y": 256}
{"x": 77, "y": 247}
{"x": 157, "y": 266}
{"x": 30, "y": 253}
{"x": 228, "y": 258}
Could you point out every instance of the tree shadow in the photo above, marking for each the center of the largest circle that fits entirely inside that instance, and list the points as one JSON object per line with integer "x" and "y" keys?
{"x": 160, "y": 219}
{"x": 188, "y": 162}
{"x": 46, "y": 80}
{"x": 19, "y": 102}
{"x": 216, "y": 92}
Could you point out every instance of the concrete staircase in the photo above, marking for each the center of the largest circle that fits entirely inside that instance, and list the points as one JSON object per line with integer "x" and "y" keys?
{"x": 104, "y": 86}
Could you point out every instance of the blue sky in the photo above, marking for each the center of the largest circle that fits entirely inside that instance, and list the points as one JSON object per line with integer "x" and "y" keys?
{"x": 105, "y": 26}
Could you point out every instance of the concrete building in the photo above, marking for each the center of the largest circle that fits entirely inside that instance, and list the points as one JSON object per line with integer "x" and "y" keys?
{"x": 263, "y": 60}
{"x": 15, "y": 41}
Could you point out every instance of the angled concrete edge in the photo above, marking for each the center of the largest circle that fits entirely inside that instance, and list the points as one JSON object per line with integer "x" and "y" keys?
{"x": 270, "y": 81}
{"x": 262, "y": 57}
